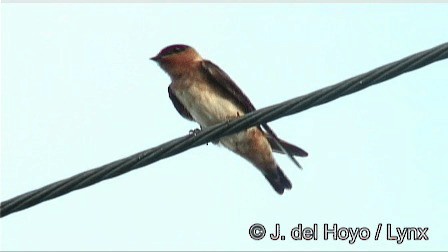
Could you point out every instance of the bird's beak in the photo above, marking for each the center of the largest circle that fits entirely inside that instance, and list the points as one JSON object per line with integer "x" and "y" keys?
{"x": 155, "y": 58}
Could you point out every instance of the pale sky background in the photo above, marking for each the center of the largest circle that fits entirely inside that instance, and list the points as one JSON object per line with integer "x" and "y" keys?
{"x": 78, "y": 91}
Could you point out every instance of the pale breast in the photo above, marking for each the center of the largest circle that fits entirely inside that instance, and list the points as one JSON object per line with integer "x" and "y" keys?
{"x": 205, "y": 104}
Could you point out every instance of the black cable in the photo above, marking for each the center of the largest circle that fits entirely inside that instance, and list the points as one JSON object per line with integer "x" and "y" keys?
{"x": 254, "y": 118}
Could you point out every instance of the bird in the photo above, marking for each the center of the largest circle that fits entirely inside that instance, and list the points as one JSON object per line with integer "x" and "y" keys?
{"x": 202, "y": 92}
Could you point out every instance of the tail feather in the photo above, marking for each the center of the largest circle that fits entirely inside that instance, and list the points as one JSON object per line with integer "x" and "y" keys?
{"x": 278, "y": 181}
{"x": 295, "y": 150}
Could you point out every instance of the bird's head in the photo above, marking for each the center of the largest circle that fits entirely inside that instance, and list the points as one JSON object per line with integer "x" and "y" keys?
{"x": 174, "y": 59}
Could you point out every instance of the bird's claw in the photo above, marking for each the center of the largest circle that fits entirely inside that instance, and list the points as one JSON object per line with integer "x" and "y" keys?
{"x": 194, "y": 132}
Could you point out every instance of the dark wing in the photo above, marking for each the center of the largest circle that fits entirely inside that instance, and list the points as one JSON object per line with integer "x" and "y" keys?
{"x": 295, "y": 150}
{"x": 222, "y": 81}
{"x": 179, "y": 107}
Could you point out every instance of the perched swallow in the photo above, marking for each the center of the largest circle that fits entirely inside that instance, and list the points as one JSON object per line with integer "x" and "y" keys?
{"x": 202, "y": 92}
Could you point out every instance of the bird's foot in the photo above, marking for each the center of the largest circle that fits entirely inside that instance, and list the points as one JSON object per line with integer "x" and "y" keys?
{"x": 194, "y": 132}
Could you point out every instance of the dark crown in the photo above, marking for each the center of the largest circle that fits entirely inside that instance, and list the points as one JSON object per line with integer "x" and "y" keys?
{"x": 172, "y": 49}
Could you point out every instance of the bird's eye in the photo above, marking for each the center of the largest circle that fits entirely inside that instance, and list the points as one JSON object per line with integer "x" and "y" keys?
{"x": 177, "y": 49}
